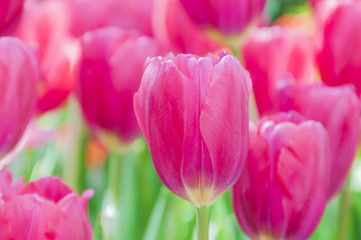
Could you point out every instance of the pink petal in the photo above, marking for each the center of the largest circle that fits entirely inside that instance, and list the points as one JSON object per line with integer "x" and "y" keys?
{"x": 224, "y": 122}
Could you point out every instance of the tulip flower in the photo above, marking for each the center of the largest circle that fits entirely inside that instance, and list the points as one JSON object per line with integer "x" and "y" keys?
{"x": 45, "y": 24}
{"x": 285, "y": 53}
{"x": 173, "y": 28}
{"x": 340, "y": 58}
{"x": 10, "y": 14}
{"x": 193, "y": 113}
{"x": 111, "y": 69}
{"x": 282, "y": 191}
{"x": 19, "y": 76}
{"x": 125, "y": 14}
{"x": 225, "y": 15}
{"x": 338, "y": 109}
{"x": 43, "y": 209}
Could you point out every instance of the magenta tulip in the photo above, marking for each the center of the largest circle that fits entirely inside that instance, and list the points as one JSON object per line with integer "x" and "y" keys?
{"x": 45, "y": 24}
{"x": 340, "y": 58}
{"x": 282, "y": 191}
{"x": 10, "y": 14}
{"x": 193, "y": 113}
{"x": 125, "y": 14}
{"x": 285, "y": 53}
{"x": 111, "y": 69}
{"x": 227, "y": 16}
{"x": 19, "y": 76}
{"x": 176, "y": 31}
{"x": 338, "y": 109}
{"x": 43, "y": 209}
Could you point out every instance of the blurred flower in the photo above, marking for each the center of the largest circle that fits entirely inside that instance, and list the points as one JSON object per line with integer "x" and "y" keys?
{"x": 340, "y": 58}
{"x": 45, "y": 24}
{"x": 89, "y": 15}
{"x": 338, "y": 109}
{"x": 111, "y": 69}
{"x": 19, "y": 76}
{"x": 272, "y": 54}
{"x": 193, "y": 113}
{"x": 43, "y": 209}
{"x": 176, "y": 31}
{"x": 10, "y": 14}
{"x": 282, "y": 190}
{"x": 227, "y": 16}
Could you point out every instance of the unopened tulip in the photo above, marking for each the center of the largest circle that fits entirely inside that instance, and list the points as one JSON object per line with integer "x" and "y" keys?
{"x": 285, "y": 53}
{"x": 45, "y": 24}
{"x": 282, "y": 191}
{"x": 176, "y": 31}
{"x": 19, "y": 76}
{"x": 227, "y": 16}
{"x": 338, "y": 109}
{"x": 125, "y": 14}
{"x": 111, "y": 69}
{"x": 10, "y": 14}
{"x": 43, "y": 209}
{"x": 193, "y": 113}
{"x": 340, "y": 58}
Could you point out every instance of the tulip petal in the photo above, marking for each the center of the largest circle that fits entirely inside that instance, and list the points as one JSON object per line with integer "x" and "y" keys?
{"x": 224, "y": 121}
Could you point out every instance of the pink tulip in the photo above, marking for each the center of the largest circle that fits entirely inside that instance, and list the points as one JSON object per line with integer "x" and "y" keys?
{"x": 176, "y": 31}
{"x": 282, "y": 191}
{"x": 227, "y": 16}
{"x": 43, "y": 209}
{"x": 19, "y": 77}
{"x": 89, "y": 15}
{"x": 338, "y": 109}
{"x": 193, "y": 113}
{"x": 111, "y": 69}
{"x": 340, "y": 58}
{"x": 45, "y": 24}
{"x": 272, "y": 54}
{"x": 10, "y": 14}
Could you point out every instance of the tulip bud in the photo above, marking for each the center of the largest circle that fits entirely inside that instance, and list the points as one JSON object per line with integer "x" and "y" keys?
{"x": 193, "y": 113}
{"x": 340, "y": 58}
{"x": 282, "y": 191}
{"x": 226, "y": 15}
{"x": 19, "y": 76}
{"x": 176, "y": 31}
{"x": 10, "y": 14}
{"x": 338, "y": 109}
{"x": 45, "y": 24}
{"x": 285, "y": 53}
{"x": 111, "y": 69}
{"x": 43, "y": 209}
{"x": 125, "y": 14}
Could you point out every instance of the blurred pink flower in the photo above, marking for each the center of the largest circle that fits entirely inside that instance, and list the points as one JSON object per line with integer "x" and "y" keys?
{"x": 274, "y": 53}
{"x": 43, "y": 209}
{"x": 45, "y": 24}
{"x": 176, "y": 31}
{"x": 339, "y": 60}
{"x": 338, "y": 109}
{"x": 19, "y": 76}
{"x": 193, "y": 113}
{"x": 111, "y": 69}
{"x": 228, "y": 16}
{"x": 10, "y": 14}
{"x": 89, "y": 15}
{"x": 282, "y": 190}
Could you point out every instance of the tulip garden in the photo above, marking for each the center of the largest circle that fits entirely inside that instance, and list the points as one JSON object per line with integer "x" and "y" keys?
{"x": 180, "y": 119}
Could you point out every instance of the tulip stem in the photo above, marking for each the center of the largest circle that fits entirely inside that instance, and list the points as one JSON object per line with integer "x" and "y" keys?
{"x": 202, "y": 223}
{"x": 344, "y": 212}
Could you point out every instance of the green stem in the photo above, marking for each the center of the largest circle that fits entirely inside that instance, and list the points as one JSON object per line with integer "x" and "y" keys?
{"x": 344, "y": 212}
{"x": 115, "y": 164}
{"x": 202, "y": 223}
